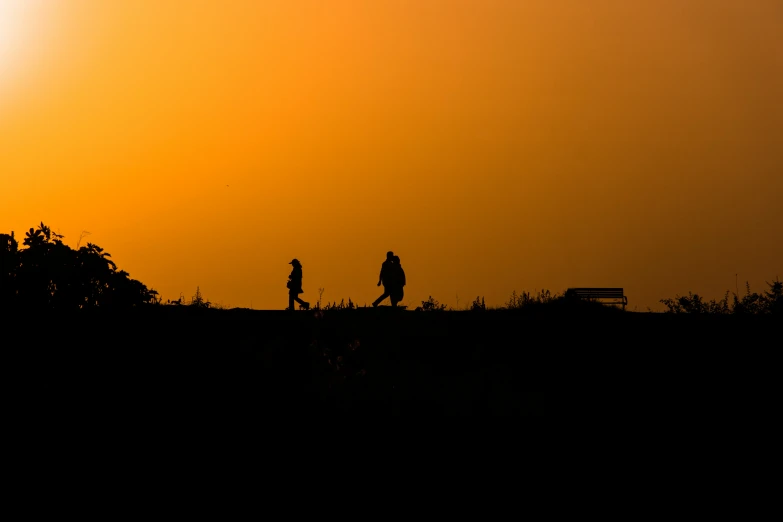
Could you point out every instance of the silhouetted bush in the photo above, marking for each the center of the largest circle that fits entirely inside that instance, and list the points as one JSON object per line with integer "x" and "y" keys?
{"x": 518, "y": 301}
{"x": 198, "y": 301}
{"x": 48, "y": 274}
{"x": 430, "y": 305}
{"x": 751, "y": 303}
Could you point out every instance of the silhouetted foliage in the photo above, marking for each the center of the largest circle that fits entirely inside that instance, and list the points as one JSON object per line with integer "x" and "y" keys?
{"x": 517, "y": 301}
{"x": 178, "y": 302}
{"x": 48, "y": 274}
{"x": 478, "y": 304}
{"x": 431, "y": 305}
{"x": 198, "y": 301}
{"x": 342, "y": 305}
{"x": 751, "y": 303}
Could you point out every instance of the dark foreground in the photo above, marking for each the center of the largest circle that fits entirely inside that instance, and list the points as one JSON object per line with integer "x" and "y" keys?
{"x": 170, "y": 361}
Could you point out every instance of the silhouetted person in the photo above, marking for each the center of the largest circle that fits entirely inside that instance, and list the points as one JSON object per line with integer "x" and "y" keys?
{"x": 389, "y": 278}
{"x": 295, "y": 286}
{"x": 397, "y": 281}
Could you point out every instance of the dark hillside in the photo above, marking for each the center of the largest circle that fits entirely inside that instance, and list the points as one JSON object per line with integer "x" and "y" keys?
{"x": 170, "y": 360}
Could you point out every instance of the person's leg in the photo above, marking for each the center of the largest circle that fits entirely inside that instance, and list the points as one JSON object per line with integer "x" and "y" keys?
{"x": 290, "y": 301}
{"x": 304, "y": 304}
{"x": 383, "y": 296}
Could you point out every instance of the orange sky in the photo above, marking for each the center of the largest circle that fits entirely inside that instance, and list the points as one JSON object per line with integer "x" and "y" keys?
{"x": 494, "y": 145}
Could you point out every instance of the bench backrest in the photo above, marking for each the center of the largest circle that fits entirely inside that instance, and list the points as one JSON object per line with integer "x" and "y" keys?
{"x": 606, "y": 293}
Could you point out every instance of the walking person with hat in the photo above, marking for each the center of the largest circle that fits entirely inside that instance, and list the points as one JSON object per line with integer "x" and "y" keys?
{"x": 295, "y": 286}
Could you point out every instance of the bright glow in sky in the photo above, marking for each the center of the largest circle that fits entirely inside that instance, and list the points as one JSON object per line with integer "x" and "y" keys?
{"x": 12, "y": 25}
{"x": 25, "y": 30}
{"x": 495, "y": 145}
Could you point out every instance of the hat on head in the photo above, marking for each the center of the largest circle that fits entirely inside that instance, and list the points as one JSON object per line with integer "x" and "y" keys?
{"x": 295, "y": 262}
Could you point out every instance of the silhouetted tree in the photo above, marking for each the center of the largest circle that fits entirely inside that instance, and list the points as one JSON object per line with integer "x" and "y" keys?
{"x": 48, "y": 274}
{"x": 8, "y": 262}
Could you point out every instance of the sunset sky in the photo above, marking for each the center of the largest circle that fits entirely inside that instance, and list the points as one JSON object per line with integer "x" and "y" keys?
{"x": 494, "y": 145}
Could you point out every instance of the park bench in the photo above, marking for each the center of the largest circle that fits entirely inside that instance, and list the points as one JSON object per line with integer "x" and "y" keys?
{"x": 606, "y": 295}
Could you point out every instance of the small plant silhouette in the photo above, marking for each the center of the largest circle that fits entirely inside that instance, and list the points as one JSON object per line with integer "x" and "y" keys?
{"x": 180, "y": 301}
{"x": 431, "y": 305}
{"x": 198, "y": 301}
{"x": 342, "y": 305}
{"x": 518, "y": 301}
